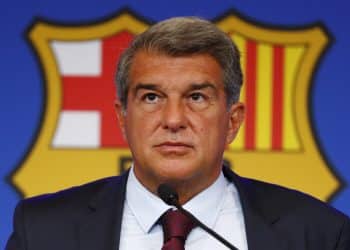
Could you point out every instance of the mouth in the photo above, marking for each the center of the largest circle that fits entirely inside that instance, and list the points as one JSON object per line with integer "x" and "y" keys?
{"x": 178, "y": 148}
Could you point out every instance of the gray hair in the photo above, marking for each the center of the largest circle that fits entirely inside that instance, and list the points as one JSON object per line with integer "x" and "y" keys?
{"x": 181, "y": 36}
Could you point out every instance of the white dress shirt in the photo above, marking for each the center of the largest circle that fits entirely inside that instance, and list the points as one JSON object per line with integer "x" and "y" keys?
{"x": 218, "y": 207}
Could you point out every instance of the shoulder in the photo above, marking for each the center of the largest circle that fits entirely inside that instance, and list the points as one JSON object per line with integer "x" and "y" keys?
{"x": 55, "y": 217}
{"x": 74, "y": 199}
{"x": 297, "y": 215}
{"x": 273, "y": 199}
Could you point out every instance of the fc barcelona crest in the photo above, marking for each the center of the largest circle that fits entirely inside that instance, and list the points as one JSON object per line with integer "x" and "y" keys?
{"x": 80, "y": 141}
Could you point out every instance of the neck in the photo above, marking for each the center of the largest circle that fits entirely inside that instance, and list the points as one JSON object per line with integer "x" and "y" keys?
{"x": 186, "y": 189}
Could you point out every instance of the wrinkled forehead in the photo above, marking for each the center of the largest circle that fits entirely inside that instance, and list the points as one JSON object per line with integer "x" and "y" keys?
{"x": 152, "y": 68}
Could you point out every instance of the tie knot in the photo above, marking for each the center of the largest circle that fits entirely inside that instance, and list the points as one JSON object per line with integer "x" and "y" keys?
{"x": 176, "y": 224}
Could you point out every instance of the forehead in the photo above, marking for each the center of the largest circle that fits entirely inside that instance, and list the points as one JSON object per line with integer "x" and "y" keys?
{"x": 157, "y": 68}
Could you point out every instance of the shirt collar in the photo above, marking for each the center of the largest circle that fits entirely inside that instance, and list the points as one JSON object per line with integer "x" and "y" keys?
{"x": 147, "y": 207}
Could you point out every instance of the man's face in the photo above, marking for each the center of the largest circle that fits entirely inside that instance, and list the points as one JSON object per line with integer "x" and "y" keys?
{"x": 177, "y": 122}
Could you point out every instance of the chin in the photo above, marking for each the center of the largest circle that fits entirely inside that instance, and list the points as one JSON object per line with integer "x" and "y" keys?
{"x": 177, "y": 172}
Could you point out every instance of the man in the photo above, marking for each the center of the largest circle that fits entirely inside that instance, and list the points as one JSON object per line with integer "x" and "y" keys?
{"x": 178, "y": 87}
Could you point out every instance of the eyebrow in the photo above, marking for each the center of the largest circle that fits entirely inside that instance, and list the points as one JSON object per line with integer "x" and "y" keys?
{"x": 149, "y": 86}
{"x": 193, "y": 86}
{"x": 199, "y": 86}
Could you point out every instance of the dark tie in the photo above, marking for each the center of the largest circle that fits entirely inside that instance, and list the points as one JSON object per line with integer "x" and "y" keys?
{"x": 176, "y": 227}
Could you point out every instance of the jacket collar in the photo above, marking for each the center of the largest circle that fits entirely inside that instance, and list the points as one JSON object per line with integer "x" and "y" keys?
{"x": 260, "y": 217}
{"x": 100, "y": 227}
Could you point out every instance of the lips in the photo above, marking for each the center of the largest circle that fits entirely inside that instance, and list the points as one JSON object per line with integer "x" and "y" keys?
{"x": 173, "y": 147}
{"x": 174, "y": 144}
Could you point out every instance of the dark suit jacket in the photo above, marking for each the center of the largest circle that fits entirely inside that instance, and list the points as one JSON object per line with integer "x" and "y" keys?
{"x": 89, "y": 218}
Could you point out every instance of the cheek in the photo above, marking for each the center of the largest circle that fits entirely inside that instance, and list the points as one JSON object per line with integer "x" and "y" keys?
{"x": 213, "y": 120}
{"x": 205, "y": 128}
{"x": 214, "y": 128}
{"x": 141, "y": 125}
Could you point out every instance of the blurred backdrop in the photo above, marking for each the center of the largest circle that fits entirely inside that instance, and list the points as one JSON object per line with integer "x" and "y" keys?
{"x": 58, "y": 59}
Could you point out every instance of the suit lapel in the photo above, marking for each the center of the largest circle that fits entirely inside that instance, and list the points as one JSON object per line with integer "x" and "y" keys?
{"x": 100, "y": 227}
{"x": 259, "y": 225}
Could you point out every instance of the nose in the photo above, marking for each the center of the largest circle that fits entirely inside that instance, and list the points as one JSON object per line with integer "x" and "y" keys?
{"x": 173, "y": 116}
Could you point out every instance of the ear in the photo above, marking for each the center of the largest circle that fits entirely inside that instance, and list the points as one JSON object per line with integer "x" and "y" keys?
{"x": 121, "y": 113}
{"x": 237, "y": 113}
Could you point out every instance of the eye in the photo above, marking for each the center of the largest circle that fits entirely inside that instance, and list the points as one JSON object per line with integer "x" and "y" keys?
{"x": 151, "y": 98}
{"x": 198, "y": 101}
{"x": 197, "y": 97}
